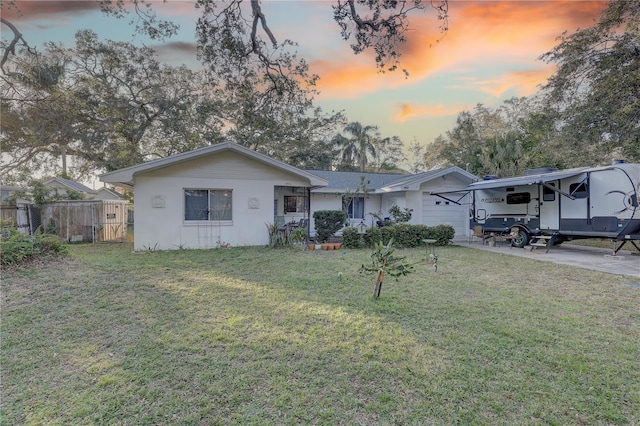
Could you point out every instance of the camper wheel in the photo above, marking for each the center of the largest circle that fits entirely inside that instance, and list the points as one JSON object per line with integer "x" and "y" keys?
{"x": 520, "y": 237}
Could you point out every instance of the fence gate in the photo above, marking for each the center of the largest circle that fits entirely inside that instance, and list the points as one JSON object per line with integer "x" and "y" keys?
{"x": 87, "y": 221}
{"x": 35, "y": 217}
{"x": 110, "y": 220}
{"x": 17, "y": 216}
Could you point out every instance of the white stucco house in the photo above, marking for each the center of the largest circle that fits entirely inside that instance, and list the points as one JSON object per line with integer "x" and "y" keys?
{"x": 383, "y": 191}
{"x": 219, "y": 194}
{"x": 226, "y": 193}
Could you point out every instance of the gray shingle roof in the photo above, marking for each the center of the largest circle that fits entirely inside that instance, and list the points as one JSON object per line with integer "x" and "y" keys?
{"x": 351, "y": 180}
{"x": 76, "y": 186}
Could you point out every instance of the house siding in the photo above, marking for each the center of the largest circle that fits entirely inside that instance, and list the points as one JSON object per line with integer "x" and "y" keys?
{"x": 437, "y": 211}
{"x": 228, "y": 166}
{"x": 159, "y": 201}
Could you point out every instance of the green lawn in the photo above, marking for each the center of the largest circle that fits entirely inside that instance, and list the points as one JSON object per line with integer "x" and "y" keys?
{"x": 263, "y": 336}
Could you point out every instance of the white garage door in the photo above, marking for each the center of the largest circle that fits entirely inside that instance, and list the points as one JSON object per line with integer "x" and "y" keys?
{"x": 437, "y": 211}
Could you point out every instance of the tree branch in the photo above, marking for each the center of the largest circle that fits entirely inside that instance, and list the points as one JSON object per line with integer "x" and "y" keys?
{"x": 11, "y": 48}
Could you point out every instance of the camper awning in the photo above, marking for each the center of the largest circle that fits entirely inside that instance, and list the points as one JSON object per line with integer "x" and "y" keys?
{"x": 526, "y": 180}
{"x": 538, "y": 179}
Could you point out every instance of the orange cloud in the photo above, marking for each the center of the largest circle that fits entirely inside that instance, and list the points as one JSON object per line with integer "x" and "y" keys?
{"x": 481, "y": 34}
{"x": 408, "y": 111}
{"x": 523, "y": 83}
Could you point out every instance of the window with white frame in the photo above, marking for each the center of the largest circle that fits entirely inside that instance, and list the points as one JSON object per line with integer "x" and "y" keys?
{"x": 355, "y": 209}
{"x": 207, "y": 204}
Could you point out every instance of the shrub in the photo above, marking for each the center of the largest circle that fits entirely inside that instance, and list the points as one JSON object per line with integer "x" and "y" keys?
{"x": 443, "y": 234}
{"x": 298, "y": 235}
{"x": 351, "y": 238}
{"x": 327, "y": 222}
{"x": 374, "y": 235}
{"x": 400, "y": 215}
{"x": 17, "y": 248}
{"x": 408, "y": 236}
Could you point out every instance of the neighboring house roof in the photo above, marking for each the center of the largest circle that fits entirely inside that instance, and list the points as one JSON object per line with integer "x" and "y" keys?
{"x": 7, "y": 190}
{"x": 75, "y": 186}
{"x": 105, "y": 193}
{"x": 413, "y": 182}
{"x": 341, "y": 181}
{"x": 125, "y": 177}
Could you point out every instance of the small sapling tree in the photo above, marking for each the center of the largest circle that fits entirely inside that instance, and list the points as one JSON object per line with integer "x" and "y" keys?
{"x": 384, "y": 262}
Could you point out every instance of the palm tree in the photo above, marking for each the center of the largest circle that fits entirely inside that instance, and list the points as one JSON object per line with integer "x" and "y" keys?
{"x": 355, "y": 149}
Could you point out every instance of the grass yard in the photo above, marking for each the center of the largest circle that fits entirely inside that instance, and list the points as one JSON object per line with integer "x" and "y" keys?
{"x": 263, "y": 336}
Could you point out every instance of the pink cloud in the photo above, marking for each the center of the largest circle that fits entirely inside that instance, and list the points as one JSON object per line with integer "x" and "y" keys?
{"x": 28, "y": 10}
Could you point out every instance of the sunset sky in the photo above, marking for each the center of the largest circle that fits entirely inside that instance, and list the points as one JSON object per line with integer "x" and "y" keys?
{"x": 488, "y": 55}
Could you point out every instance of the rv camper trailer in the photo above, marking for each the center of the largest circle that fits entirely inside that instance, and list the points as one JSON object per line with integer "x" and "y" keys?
{"x": 560, "y": 205}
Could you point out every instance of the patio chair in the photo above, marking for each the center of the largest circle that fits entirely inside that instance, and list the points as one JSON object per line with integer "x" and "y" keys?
{"x": 477, "y": 232}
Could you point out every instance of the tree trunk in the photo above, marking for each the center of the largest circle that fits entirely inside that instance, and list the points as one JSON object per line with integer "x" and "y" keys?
{"x": 378, "y": 287}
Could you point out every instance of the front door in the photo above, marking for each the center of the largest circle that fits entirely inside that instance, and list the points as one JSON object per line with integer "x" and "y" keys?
{"x": 549, "y": 207}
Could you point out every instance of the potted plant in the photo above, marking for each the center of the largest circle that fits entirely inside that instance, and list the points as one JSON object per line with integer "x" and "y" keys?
{"x": 298, "y": 236}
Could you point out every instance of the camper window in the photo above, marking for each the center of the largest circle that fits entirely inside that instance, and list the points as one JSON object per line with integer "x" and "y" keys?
{"x": 519, "y": 198}
{"x": 548, "y": 194}
{"x": 579, "y": 190}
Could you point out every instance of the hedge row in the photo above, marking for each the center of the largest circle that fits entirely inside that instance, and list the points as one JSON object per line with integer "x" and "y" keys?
{"x": 403, "y": 234}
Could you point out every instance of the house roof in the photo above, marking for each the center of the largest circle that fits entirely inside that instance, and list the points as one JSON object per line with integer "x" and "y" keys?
{"x": 109, "y": 191}
{"x": 340, "y": 181}
{"x": 10, "y": 188}
{"x": 76, "y": 186}
{"x": 386, "y": 182}
{"x": 125, "y": 177}
{"x": 413, "y": 182}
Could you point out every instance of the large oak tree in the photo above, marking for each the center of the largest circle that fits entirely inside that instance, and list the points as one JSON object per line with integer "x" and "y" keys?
{"x": 596, "y": 88}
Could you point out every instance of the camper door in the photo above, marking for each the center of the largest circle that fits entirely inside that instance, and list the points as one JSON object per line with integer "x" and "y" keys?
{"x": 575, "y": 213}
{"x": 549, "y": 206}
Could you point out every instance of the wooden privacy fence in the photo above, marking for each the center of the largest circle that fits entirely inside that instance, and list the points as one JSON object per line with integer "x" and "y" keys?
{"x": 87, "y": 221}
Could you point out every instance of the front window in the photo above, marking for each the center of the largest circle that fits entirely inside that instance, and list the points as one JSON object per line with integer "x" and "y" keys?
{"x": 355, "y": 209}
{"x": 207, "y": 204}
{"x": 293, "y": 204}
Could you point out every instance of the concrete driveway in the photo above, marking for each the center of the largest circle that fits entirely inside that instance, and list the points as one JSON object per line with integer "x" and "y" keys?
{"x": 626, "y": 262}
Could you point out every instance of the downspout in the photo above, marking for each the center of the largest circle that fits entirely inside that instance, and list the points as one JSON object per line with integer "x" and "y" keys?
{"x": 308, "y": 208}
{"x": 67, "y": 221}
